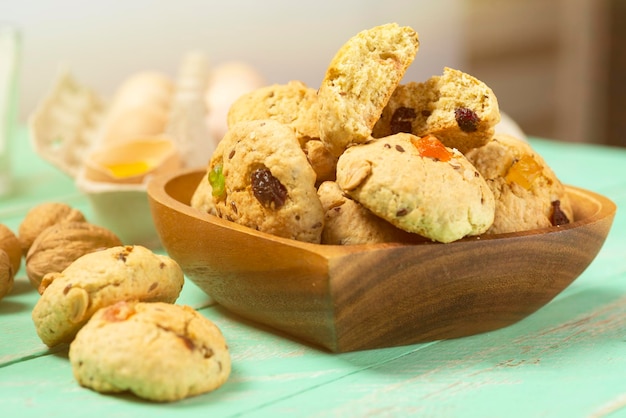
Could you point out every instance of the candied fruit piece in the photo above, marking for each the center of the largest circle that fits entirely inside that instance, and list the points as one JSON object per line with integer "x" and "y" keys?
{"x": 524, "y": 172}
{"x": 216, "y": 180}
{"x": 430, "y": 146}
{"x": 467, "y": 119}
{"x": 268, "y": 190}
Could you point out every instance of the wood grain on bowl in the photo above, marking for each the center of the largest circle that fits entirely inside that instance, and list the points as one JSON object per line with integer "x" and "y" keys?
{"x": 357, "y": 297}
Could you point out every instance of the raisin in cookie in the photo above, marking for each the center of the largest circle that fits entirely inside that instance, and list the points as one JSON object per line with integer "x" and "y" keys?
{"x": 158, "y": 351}
{"x": 347, "y": 222}
{"x": 293, "y": 104}
{"x": 359, "y": 82}
{"x": 456, "y": 107}
{"x": 528, "y": 193}
{"x": 261, "y": 179}
{"x": 100, "y": 279}
{"x": 418, "y": 185}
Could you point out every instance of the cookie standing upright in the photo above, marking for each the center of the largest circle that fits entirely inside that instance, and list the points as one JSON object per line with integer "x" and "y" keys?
{"x": 158, "y": 351}
{"x": 261, "y": 179}
{"x": 418, "y": 185}
{"x": 528, "y": 193}
{"x": 459, "y": 109}
{"x": 359, "y": 82}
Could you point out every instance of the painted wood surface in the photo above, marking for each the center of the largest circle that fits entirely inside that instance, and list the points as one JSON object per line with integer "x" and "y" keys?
{"x": 567, "y": 359}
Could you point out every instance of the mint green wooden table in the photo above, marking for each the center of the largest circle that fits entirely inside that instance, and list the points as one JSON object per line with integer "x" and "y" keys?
{"x": 566, "y": 360}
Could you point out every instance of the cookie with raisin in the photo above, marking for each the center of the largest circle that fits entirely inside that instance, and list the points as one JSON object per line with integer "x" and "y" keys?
{"x": 418, "y": 185}
{"x": 262, "y": 179}
{"x": 293, "y": 104}
{"x": 100, "y": 279}
{"x": 528, "y": 193}
{"x": 457, "y": 108}
{"x": 347, "y": 222}
{"x": 158, "y": 351}
{"x": 359, "y": 82}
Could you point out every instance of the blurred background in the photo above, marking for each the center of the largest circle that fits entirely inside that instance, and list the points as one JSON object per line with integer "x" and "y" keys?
{"x": 555, "y": 65}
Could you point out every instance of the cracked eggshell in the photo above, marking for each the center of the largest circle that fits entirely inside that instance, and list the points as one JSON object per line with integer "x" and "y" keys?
{"x": 114, "y": 180}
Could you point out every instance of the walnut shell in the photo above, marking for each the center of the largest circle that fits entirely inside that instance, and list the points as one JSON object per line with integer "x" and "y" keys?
{"x": 43, "y": 216}
{"x": 60, "y": 245}
{"x": 11, "y": 245}
{"x": 6, "y": 274}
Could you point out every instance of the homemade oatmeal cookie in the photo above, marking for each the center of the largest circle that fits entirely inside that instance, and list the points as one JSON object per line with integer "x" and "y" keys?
{"x": 347, "y": 222}
{"x": 261, "y": 179}
{"x": 528, "y": 193}
{"x": 359, "y": 82}
{"x": 418, "y": 185}
{"x": 455, "y": 107}
{"x": 292, "y": 104}
{"x": 100, "y": 279}
{"x": 158, "y": 351}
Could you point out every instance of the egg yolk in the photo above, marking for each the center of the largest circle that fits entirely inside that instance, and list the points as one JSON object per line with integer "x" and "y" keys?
{"x": 130, "y": 169}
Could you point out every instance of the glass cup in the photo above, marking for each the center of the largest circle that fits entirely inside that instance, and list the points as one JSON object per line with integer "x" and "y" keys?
{"x": 9, "y": 70}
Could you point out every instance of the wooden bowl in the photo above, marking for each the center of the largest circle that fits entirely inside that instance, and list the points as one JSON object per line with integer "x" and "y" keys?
{"x": 359, "y": 297}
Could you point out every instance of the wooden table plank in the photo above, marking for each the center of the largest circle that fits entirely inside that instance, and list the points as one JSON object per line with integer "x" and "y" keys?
{"x": 567, "y": 359}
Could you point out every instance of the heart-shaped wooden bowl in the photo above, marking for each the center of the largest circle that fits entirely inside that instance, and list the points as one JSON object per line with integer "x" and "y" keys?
{"x": 357, "y": 297}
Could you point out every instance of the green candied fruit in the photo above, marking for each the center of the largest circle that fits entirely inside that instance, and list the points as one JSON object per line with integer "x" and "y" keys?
{"x": 216, "y": 180}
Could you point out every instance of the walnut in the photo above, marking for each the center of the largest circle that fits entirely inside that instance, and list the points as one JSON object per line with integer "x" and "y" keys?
{"x": 11, "y": 245}
{"x": 60, "y": 245}
{"x": 43, "y": 216}
{"x": 6, "y": 274}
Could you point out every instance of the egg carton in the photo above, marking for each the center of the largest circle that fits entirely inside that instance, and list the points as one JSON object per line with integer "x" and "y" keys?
{"x": 67, "y": 125}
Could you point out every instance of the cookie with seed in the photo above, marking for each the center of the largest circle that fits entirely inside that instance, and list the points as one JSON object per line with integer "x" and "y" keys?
{"x": 457, "y": 108}
{"x": 528, "y": 193}
{"x": 347, "y": 222}
{"x": 262, "y": 179}
{"x": 158, "y": 351}
{"x": 100, "y": 279}
{"x": 359, "y": 82}
{"x": 294, "y": 104}
{"x": 418, "y": 185}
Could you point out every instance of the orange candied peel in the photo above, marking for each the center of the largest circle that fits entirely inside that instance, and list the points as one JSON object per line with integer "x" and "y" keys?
{"x": 524, "y": 172}
{"x": 430, "y": 146}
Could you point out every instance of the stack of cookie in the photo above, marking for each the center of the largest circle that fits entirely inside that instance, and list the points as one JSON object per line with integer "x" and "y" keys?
{"x": 116, "y": 308}
{"x": 366, "y": 159}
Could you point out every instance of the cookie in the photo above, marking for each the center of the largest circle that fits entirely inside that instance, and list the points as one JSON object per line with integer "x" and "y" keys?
{"x": 359, "y": 82}
{"x": 457, "y": 108}
{"x": 419, "y": 186}
{"x": 347, "y": 222}
{"x": 157, "y": 351}
{"x": 99, "y": 279}
{"x": 261, "y": 179}
{"x": 292, "y": 104}
{"x": 528, "y": 193}
{"x": 202, "y": 197}
{"x": 322, "y": 161}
